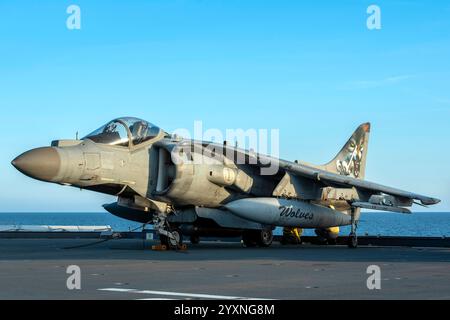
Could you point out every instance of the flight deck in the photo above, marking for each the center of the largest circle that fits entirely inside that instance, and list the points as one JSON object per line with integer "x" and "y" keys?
{"x": 129, "y": 269}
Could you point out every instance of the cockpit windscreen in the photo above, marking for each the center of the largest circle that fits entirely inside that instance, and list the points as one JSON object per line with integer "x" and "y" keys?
{"x": 124, "y": 132}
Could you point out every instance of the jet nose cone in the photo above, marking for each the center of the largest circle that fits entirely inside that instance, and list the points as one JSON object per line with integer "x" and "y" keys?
{"x": 42, "y": 163}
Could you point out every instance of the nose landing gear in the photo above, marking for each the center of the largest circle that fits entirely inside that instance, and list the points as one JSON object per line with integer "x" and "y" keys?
{"x": 170, "y": 238}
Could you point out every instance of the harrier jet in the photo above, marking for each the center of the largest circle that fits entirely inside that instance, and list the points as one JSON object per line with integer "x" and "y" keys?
{"x": 200, "y": 189}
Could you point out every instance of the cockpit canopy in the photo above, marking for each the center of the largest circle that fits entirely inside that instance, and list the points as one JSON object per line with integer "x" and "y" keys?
{"x": 124, "y": 132}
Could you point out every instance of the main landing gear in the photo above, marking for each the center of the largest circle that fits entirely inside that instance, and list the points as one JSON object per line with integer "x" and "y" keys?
{"x": 260, "y": 238}
{"x": 195, "y": 239}
{"x": 353, "y": 238}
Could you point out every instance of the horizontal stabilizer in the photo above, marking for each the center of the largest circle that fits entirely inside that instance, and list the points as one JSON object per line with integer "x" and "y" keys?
{"x": 368, "y": 205}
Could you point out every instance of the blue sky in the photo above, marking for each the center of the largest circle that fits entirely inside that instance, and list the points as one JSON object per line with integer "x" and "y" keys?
{"x": 309, "y": 68}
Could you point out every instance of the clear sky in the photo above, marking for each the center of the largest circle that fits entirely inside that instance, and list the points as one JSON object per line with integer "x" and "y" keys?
{"x": 309, "y": 68}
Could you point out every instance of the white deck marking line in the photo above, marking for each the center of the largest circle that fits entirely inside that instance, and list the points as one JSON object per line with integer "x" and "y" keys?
{"x": 178, "y": 294}
{"x": 156, "y": 299}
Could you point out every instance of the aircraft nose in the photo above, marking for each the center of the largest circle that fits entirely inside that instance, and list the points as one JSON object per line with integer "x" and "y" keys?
{"x": 41, "y": 163}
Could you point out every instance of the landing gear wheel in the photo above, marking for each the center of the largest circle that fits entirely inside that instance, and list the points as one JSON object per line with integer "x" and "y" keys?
{"x": 261, "y": 238}
{"x": 195, "y": 239}
{"x": 248, "y": 238}
{"x": 352, "y": 241}
{"x": 265, "y": 238}
{"x": 164, "y": 240}
{"x": 291, "y": 236}
{"x": 332, "y": 242}
{"x": 289, "y": 239}
{"x": 176, "y": 239}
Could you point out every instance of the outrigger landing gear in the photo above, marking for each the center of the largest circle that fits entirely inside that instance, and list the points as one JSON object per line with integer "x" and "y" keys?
{"x": 353, "y": 238}
{"x": 169, "y": 238}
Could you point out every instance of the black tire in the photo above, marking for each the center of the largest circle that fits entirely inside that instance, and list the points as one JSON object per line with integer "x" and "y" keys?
{"x": 177, "y": 234}
{"x": 195, "y": 239}
{"x": 353, "y": 241}
{"x": 249, "y": 239}
{"x": 290, "y": 240}
{"x": 265, "y": 238}
{"x": 164, "y": 240}
{"x": 332, "y": 242}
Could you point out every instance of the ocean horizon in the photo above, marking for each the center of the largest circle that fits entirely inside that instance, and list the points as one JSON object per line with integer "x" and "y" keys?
{"x": 431, "y": 224}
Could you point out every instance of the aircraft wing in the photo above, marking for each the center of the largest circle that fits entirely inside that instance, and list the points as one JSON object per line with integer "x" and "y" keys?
{"x": 330, "y": 178}
{"x": 323, "y": 178}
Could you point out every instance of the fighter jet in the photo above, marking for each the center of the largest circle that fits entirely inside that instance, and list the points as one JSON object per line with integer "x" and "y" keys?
{"x": 199, "y": 189}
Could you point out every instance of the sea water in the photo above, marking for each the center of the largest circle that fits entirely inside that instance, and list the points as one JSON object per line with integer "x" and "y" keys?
{"x": 435, "y": 224}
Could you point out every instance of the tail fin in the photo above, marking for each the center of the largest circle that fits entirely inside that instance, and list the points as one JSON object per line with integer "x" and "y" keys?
{"x": 351, "y": 160}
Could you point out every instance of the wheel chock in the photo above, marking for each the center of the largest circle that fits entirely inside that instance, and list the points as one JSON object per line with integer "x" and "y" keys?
{"x": 159, "y": 247}
{"x": 162, "y": 247}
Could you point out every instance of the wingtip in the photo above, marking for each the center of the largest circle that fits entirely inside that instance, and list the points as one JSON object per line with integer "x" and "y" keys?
{"x": 430, "y": 201}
